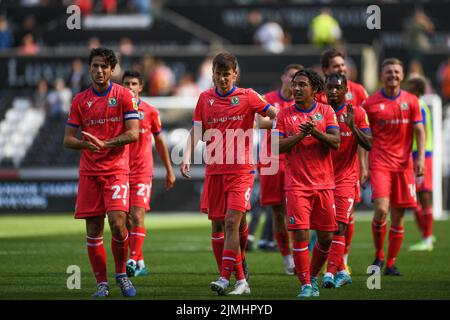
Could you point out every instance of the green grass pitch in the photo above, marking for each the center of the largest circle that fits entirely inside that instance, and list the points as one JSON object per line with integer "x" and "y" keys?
{"x": 36, "y": 250}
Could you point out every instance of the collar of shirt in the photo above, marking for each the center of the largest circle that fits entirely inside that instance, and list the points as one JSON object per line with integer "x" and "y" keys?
{"x": 102, "y": 94}
{"x": 226, "y": 94}
{"x": 306, "y": 111}
{"x": 389, "y": 97}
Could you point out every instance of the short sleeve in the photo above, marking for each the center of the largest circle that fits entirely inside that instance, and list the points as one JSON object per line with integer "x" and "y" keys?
{"x": 129, "y": 106}
{"x": 361, "y": 95}
{"x": 258, "y": 104}
{"x": 331, "y": 119}
{"x": 198, "y": 119}
{"x": 416, "y": 114}
{"x": 155, "y": 122}
{"x": 362, "y": 120}
{"x": 280, "y": 128}
{"x": 364, "y": 105}
{"x": 74, "y": 118}
{"x": 364, "y": 93}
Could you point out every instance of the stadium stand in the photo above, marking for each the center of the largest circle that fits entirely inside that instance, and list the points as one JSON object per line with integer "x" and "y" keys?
{"x": 178, "y": 39}
{"x": 18, "y": 129}
{"x": 48, "y": 146}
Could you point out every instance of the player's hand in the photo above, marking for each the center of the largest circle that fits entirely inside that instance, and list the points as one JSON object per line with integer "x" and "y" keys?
{"x": 170, "y": 180}
{"x": 349, "y": 118}
{"x": 363, "y": 177}
{"x": 92, "y": 147}
{"x": 419, "y": 166}
{"x": 184, "y": 169}
{"x": 93, "y": 139}
{"x": 306, "y": 128}
{"x": 272, "y": 112}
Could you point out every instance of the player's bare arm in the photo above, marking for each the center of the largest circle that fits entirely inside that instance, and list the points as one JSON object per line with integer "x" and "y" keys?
{"x": 264, "y": 122}
{"x": 267, "y": 122}
{"x": 272, "y": 112}
{"x": 419, "y": 162}
{"x": 331, "y": 138}
{"x": 129, "y": 136}
{"x": 363, "y": 158}
{"x": 72, "y": 142}
{"x": 364, "y": 139}
{"x": 286, "y": 144}
{"x": 163, "y": 153}
{"x": 194, "y": 136}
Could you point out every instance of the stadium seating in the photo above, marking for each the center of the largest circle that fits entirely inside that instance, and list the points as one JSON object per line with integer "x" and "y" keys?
{"x": 36, "y": 141}
{"x": 48, "y": 147}
{"x": 18, "y": 129}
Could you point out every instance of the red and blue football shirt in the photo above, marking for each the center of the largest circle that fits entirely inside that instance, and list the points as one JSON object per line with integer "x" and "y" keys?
{"x": 103, "y": 115}
{"x": 392, "y": 122}
{"x": 309, "y": 165}
{"x": 345, "y": 159}
{"x": 141, "y": 155}
{"x": 228, "y": 122}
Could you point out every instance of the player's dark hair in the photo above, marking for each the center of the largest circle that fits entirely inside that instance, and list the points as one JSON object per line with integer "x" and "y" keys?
{"x": 329, "y": 54}
{"x": 108, "y": 54}
{"x": 336, "y": 76}
{"x": 293, "y": 66}
{"x": 225, "y": 60}
{"x": 133, "y": 74}
{"x": 314, "y": 78}
{"x": 419, "y": 85}
{"x": 390, "y": 61}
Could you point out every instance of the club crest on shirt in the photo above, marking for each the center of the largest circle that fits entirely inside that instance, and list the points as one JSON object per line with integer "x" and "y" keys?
{"x": 319, "y": 116}
{"x": 404, "y": 106}
{"x": 112, "y": 102}
{"x": 235, "y": 101}
{"x": 141, "y": 115}
{"x": 348, "y": 96}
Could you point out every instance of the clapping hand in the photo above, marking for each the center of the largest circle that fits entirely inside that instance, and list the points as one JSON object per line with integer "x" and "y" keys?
{"x": 349, "y": 118}
{"x": 307, "y": 127}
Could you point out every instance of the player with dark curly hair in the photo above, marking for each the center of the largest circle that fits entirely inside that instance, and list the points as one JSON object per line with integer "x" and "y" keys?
{"x": 308, "y": 132}
{"x": 107, "y": 115}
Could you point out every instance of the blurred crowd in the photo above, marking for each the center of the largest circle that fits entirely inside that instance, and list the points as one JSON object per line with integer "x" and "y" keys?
{"x": 27, "y": 36}
{"x": 165, "y": 79}
{"x": 95, "y": 6}
{"x": 159, "y": 80}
